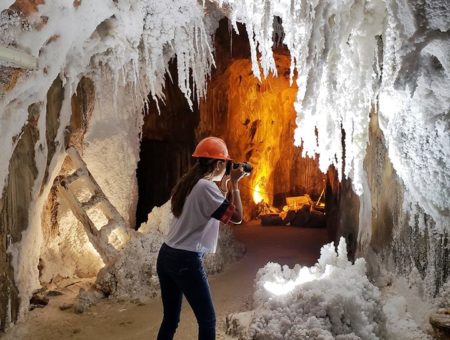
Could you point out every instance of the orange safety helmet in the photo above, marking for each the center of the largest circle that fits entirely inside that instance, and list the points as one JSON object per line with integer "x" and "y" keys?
{"x": 212, "y": 147}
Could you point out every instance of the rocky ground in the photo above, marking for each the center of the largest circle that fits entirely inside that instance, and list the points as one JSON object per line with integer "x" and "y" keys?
{"x": 140, "y": 318}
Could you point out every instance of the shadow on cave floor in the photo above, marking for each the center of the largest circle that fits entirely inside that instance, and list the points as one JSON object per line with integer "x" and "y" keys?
{"x": 232, "y": 290}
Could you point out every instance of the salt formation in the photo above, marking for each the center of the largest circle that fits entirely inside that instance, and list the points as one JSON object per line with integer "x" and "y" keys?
{"x": 332, "y": 300}
{"x": 354, "y": 59}
{"x": 125, "y": 45}
{"x": 133, "y": 273}
{"x": 333, "y": 46}
{"x": 414, "y": 107}
{"x": 338, "y": 55}
{"x": 401, "y": 324}
{"x": 61, "y": 257}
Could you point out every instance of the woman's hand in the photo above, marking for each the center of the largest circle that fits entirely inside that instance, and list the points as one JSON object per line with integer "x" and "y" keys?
{"x": 223, "y": 185}
{"x": 236, "y": 174}
{"x": 235, "y": 177}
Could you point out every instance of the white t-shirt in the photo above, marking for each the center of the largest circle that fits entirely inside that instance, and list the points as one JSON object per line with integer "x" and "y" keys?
{"x": 197, "y": 228}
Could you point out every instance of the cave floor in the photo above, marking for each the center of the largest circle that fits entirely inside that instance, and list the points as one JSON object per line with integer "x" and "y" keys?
{"x": 231, "y": 290}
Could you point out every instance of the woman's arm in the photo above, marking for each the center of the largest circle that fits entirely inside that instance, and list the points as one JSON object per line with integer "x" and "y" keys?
{"x": 234, "y": 195}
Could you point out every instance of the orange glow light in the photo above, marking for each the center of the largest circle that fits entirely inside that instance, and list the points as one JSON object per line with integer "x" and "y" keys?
{"x": 257, "y": 197}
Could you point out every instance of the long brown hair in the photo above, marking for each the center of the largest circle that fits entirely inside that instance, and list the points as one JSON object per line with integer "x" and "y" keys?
{"x": 201, "y": 168}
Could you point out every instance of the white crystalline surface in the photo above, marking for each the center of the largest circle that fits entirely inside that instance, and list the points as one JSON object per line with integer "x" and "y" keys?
{"x": 332, "y": 300}
{"x": 158, "y": 221}
{"x": 133, "y": 274}
{"x": 352, "y": 58}
{"x": 414, "y": 115}
{"x": 10, "y": 25}
{"x": 131, "y": 40}
{"x": 336, "y": 297}
{"x": 333, "y": 46}
{"x": 61, "y": 256}
{"x": 401, "y": 325}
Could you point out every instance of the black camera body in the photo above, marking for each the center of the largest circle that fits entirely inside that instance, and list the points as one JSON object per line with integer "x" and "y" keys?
{"x": 247, "y": 167}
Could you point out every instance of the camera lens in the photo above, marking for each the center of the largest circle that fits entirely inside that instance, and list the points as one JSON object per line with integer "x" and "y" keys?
{"x": 247, "y": 167}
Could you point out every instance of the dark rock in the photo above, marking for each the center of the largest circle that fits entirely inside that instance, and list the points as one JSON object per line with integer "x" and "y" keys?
{"x": 316, "y": 219}
{"x": 289, "y": 217}
{"x": 39, "y": 300}
{"x": 271, "y": 219}
{"x": 441, "y": 324}
{"x": 54, "y": 293}
{"x": 16, "y": 200}
{"x": 302, "y": 217}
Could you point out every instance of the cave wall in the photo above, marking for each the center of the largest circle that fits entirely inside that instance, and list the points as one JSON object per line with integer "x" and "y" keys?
{"x": 106, "y": 131}
{"x": 168, "y": 140}
{"x": 125, "y": 65}
{"x": 342, "y": 210}
{"x": 406, "y": 159}
{"x": 111, "y": 142}
{"x": 18, "y": 195}
{"x": 401, "y": 242}
{"x": 406, "y": 243}
{"x": 15, "y": 203}
{"x": 35, "y": 227}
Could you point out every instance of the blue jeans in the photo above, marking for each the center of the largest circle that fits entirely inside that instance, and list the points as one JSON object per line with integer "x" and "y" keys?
{"x": 181, "y": 272}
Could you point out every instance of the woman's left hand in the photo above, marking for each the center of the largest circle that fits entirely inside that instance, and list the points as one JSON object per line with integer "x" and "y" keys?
{"x": 223, "y": 185}
{"x": 237, "y": 174}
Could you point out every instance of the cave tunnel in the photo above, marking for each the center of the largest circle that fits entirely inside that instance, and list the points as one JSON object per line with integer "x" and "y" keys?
{"x": 257, "y": 120}
{"x": 97, "y": 128}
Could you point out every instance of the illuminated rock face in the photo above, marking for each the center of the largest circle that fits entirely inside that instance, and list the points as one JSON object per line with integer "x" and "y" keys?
{"x": 257, "y": 120}
{"x": 62, "y": 232}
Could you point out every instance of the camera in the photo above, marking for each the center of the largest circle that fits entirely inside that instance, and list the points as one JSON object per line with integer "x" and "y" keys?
{"x": 246, "y": 167}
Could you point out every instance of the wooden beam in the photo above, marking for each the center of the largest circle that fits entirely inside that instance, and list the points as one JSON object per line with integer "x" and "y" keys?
{"x": 18, "y": 58}
{"x": 77, "y": 210}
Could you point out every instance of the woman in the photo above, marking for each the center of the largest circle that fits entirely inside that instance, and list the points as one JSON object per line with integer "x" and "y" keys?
{"x": 198, "y": 206}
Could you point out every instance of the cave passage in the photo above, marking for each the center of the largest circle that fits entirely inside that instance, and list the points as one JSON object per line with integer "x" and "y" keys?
{"x": 257, "y": 120}
{"x": 161, "y": 165}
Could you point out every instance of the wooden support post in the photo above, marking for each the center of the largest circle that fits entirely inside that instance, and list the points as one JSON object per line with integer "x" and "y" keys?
{"x": 77, "y": 210}
{"x": 18, "y": 58}
{"x": 107, "y": 239}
